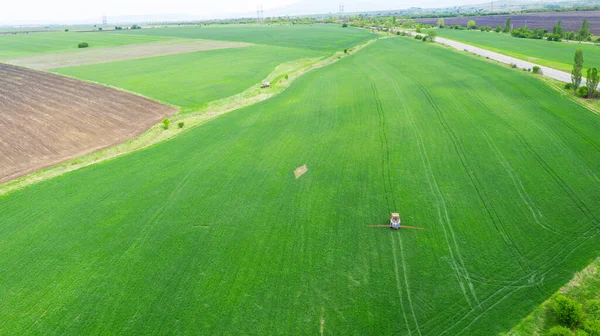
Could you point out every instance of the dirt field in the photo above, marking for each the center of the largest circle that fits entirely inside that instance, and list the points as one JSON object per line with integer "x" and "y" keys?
{"x": 46, "y": 119}
{"x": 111, "y": 54}
{"x": 571, "y": 21}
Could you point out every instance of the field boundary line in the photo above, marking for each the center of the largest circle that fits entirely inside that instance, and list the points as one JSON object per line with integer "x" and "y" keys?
{"x": 191, "y": 119}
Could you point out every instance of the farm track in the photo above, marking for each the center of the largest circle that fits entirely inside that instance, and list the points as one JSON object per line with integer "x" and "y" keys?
{"x": 48, "y": 119}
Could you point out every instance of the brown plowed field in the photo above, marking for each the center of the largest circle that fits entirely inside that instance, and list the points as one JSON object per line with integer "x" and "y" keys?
{"x": 46, "y": 119}
{"x": 571, "y": 21}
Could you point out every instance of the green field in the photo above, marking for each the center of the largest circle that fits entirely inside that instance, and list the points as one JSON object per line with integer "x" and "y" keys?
{"x": 39, "y": 43}
{"x": 558, "y": 55}
{"x": 320, "y": 37}
{"x": 191, "y": 80}
{"x": 210, "y": 233}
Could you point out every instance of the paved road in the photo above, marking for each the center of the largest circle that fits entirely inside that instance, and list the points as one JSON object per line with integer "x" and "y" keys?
{"x": 548, "y": 72}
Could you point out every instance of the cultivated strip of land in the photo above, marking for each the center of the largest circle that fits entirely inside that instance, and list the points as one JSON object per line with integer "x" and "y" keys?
{"x": 120, "y": 53}
{"x": 46, "y": 119}
{"x": 157, "y": 133}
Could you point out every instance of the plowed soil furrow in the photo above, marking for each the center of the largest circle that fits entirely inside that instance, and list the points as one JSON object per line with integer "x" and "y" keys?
{"x": 47, "y": 119}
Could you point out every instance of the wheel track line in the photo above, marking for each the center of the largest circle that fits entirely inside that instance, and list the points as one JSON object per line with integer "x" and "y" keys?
{"x": 406, "y": 281}
{"x": 492, "y": 213}
{"x": 543, "y": 163}
{"x": 461, "y": 271}
{"x": 386, "y": 163}
{"x": 398, "y": 285}
{"x": 519, "y": 135}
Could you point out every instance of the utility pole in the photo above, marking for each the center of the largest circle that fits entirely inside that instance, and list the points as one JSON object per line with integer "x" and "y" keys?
{"x": 341, "y": 11}
{"x": 104, "y": 20}
{"x": 260, "y": 14}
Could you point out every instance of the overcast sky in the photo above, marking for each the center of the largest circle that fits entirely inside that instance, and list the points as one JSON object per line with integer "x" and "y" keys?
{"x": 52, "y": 11}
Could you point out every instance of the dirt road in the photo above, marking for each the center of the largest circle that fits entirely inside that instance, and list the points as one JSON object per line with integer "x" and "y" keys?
{"x": 548, "y": 72}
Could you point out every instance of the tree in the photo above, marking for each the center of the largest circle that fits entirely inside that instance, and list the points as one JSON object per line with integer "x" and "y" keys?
{"x": 471, "y": 24}
{"x": 557, "y": 29}
{"x": 432, "y": 35}
{"x": 83, "y": 45}
{"x": 507, "y": 26}
{"x": 441, "y": 23}
{"x": 568, "y": 311}
{"x": 166, "y": 123}
{"x": 180, "y": 124}
{"x": 592, "y": 81}
{"x": 498, "y": 29}
{"x": 344, "y": 25}
{"x": 576, "y": 72}
{"x": 584, "y": 32}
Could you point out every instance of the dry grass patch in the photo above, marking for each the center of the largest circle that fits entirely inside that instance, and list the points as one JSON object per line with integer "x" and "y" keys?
{"x": 121, "y": 53}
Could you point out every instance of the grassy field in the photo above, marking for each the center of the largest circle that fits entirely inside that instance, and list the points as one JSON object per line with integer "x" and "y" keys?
{"x": 191, "y": 80}
{"x": 551, "y": 54}
{"x": 211, "y": 233}
{"x": 39, "y": 43}
{"x": 320, "y": 37}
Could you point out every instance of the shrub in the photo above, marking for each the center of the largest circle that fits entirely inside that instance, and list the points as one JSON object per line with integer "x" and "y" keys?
{"x": 425, "y": 38}
{"x": 559, "y": 331}
{"x": 418, "y": 37}
{"x": 581, "y": 333}
{"x": 569, "y": 86}
{"x": 180, "y": 124}
{"x": 166, "y": 123}
{"x": 568, "y": 311}
{"x": 582, "y": 92}
{"x": 418, "y": 29}
{"x": 83, "y": 45}
{"x": 397, "y": 33}
{"x": 345, "y": 51}
{"x": 66, "y": 30}
{"x": 536, "y": 70}
{"x": 287, "y": 77}
{"x": 99, "y": 28}
{"x": 345, "y": 25}
{"x": 514, "y": 66}
{"x": 592, "y": 327}
{"x": 593, "y": 309}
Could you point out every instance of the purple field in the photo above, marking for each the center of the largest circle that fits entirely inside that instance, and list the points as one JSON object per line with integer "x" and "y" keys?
{"x": 571, "y": 21}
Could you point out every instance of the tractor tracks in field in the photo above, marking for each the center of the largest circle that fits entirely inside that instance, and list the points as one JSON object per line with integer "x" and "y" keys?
{"x": 391, "y": 202}
{"x": 489, "y": 207}
{"x": 458, "y": 264}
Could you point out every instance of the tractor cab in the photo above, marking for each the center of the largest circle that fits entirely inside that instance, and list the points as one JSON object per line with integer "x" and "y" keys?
{"x": 395, "y": 221}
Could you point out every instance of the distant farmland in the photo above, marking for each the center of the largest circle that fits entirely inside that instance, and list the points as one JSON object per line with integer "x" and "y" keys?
{"x": 571, "y": 21}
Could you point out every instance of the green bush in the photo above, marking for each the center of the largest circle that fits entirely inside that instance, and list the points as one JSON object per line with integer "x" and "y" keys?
{"x": 559, "y": 331}
{"x": 581, "y": 333}
{"x": 345, "y": 51}
{"x": 582, "y": 92}
{"x": 592, "y": 308}
{"x": 166, "y": 123}
{"x": 569, "y": 86}
{"x": 180, "y": 124}
{"x": 592, "y": 327}
{"x": 536, "y": 70}
{"x": 418, "y": 37}
{"x": 568, "y": 311}
{"x": 514, "y": 66}
{"x": 287, "y": 77}
{"x": 344, "y": 25}
{"x": 83, "y": 45}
